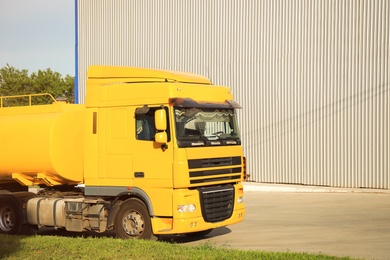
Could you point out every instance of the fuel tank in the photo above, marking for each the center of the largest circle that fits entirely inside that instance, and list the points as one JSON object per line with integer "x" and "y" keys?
{"x": 42, "y": 144}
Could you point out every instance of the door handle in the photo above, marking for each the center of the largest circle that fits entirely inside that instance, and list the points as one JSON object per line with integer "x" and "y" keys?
{"x": 139, "y": 174}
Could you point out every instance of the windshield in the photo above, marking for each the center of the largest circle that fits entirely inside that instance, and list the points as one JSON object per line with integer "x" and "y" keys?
{"x": 206, "y": 126}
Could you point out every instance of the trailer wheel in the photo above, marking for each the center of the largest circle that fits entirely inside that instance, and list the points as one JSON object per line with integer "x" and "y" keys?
{"x": 10, "y": 217}
{"x": 133, "y": 220}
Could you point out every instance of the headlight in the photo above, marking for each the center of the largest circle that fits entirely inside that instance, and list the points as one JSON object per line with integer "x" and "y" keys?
{"x": 186, "y": 208}
{"x": 240, "y": 199}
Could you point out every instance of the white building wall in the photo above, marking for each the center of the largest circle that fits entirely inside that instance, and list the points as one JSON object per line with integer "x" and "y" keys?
{"x": 312, "y": 75}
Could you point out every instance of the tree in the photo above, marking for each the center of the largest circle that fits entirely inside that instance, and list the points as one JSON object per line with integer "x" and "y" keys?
{"x": 68, "y": 88}
{"x": 14, "y": 81}
{"x": 18, "y": 82}
{"x": 52, "y": 82}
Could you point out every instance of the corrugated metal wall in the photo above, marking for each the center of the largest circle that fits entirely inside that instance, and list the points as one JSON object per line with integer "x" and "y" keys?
{"x": 312, "y": 75}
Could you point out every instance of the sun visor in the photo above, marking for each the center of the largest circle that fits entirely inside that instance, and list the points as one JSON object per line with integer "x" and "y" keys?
{"x": 189, "y": 102}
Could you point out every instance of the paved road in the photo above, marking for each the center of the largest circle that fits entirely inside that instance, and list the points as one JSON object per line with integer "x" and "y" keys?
{"x": 346, "y": 223}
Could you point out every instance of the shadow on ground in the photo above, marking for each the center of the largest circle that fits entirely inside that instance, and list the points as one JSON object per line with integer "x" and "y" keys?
{"x": 182, "y": 239}
{"x": 177, "y": 239}
{"x": 9, "y": 245}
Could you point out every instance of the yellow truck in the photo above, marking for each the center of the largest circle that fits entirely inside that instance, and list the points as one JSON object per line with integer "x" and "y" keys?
{"x": 151, "y": 152}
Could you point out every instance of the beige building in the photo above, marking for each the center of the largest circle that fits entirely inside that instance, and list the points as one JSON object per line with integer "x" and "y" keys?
{"x": 312, "y": 76}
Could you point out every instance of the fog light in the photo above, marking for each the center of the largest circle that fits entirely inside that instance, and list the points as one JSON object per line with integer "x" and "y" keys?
{"x": 186, "y": 208}
{"x": 240, "y": 199}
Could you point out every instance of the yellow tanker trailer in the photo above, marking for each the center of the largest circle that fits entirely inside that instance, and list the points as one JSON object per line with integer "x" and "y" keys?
{"x": 151, "y": 152}
{"x": 39, "y": 146}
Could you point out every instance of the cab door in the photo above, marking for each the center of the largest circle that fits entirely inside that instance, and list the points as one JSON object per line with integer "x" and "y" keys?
{"x": 152, "y": 161}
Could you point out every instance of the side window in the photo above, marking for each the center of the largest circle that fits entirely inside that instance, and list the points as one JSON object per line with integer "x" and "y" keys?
{"x": 145, "y": 126}
{"x": 145, "y": 129}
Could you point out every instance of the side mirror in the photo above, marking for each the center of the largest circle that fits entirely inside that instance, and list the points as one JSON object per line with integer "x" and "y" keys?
{"x": 161, "y": 137}
{"x": 160, "y": 119}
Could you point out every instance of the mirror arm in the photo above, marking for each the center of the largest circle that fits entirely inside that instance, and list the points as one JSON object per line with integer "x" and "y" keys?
{"x": 164, "y": 147}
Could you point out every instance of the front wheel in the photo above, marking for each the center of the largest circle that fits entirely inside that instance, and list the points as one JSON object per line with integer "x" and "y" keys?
{"x": 133, "y": 220}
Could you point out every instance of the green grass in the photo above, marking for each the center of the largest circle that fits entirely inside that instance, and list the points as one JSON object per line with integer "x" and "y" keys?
{"x": 57, "y": 247}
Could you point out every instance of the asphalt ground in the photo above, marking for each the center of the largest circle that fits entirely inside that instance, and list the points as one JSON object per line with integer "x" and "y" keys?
{"x": 294, "y": 218}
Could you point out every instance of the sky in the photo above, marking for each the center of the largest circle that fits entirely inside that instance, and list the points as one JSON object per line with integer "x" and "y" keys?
{"x": 38, "y": 34}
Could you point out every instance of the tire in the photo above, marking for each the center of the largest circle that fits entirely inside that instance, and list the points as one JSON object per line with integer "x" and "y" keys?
{"x": 199, "y": 233}
{"x": 11, "y": 218}
{"x": 133, "y": 220}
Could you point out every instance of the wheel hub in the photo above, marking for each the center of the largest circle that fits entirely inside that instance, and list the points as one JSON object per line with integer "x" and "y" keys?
{"x": 133, "y": 224}
{"x": 7, "y": 219}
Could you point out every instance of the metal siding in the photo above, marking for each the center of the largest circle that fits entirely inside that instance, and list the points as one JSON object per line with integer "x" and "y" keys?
{"x": 312, "y": 75}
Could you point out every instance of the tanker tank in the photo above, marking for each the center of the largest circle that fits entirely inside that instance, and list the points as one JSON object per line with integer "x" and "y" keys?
{"x": 42, "y": 144}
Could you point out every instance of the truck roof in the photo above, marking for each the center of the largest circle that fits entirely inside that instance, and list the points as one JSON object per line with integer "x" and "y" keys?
{"x": 134, "y": 74}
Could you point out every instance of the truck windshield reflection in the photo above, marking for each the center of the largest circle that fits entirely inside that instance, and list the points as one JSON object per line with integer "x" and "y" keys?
{"x": 206, "y": 127}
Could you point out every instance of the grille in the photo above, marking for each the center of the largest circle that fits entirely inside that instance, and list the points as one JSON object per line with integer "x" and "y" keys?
{"x": 214, "y": 162}
{"x": 217, "y": 202}
{"x": 218, "y": 169}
